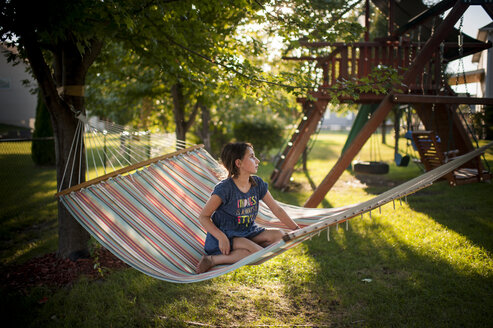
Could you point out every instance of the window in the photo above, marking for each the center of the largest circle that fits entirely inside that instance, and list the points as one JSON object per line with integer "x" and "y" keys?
{"x": 4, "y": 83}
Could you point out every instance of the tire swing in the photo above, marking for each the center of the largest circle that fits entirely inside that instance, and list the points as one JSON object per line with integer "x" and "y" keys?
{"x": 373, "y": 166}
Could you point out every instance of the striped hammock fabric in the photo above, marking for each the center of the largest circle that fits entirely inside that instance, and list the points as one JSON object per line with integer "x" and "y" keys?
{"x": 149, "y": 218}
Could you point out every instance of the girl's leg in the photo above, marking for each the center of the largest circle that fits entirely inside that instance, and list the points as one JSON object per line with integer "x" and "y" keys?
{"x": 268, "y": 237}
{"x": 242, "y": 247}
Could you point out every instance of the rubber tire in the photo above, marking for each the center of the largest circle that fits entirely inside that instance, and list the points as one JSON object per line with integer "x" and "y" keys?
{"x": 371, "y": 167}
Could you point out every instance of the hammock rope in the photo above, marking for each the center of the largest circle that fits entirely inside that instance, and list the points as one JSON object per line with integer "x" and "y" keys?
{"x": 108, "y": 147}
{"x": 149, "y": 216}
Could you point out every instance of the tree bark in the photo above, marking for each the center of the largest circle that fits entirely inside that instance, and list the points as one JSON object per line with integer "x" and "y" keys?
{"x": 72, "y": 238}
{"x": 145, "y": 112}
{"x": 205, "y": 132}
{"x": 69, "y": 68}
{"x": 178, "y": 110}
{"x": 179, "y": 104}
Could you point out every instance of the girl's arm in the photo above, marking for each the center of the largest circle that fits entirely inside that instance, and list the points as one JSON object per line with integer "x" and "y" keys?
{"x": 279, "y": 212}
{"x": 205, "y": 219}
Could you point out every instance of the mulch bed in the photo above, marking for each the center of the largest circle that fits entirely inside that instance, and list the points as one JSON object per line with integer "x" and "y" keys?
{"x": 51, "y": 271}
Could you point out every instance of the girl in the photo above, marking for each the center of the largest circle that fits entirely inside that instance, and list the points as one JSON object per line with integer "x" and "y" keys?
{"x": 229, "y": 214}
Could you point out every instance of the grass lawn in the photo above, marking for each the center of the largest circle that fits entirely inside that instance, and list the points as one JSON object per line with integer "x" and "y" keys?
{"x": 426, "y": 263}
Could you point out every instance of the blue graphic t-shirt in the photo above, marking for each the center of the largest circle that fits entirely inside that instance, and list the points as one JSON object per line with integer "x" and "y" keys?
{"x": 236, "y": 215}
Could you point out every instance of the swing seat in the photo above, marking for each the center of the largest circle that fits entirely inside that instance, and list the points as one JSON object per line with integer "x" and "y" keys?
{"x": 409, "y": 136}
{"x": 402, "y": 161}
{"x": 371, "y": 167}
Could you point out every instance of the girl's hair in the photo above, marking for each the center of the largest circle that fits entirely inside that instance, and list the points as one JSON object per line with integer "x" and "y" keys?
{"x": 230, "y": 153}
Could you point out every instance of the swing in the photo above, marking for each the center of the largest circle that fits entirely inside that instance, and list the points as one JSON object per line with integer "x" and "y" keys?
{"x": 400, "y": 160}
{"x": 373, "y": 166}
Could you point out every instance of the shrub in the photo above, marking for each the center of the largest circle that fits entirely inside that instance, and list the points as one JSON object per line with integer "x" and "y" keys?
{"x": 43, "y": 150}
{"x": 482, "y": 123}
{"x": 262, "y": 134}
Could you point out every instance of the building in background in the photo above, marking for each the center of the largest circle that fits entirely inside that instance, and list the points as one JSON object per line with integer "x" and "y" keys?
{"x": 334, "y": 121}
{"x": 484, "y": 60}
{"x": 17, "y": 102}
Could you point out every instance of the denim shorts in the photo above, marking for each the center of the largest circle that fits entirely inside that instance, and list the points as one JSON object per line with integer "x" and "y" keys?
{"x": 211, "y": 246}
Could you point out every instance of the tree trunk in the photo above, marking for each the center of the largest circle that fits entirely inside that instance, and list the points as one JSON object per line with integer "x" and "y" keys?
{"x": 145, "y": 112}
{"x": 182, "y": 124}
{"x": 72, "y": 238}
{"x": 179, "y": 110}
{"x": 69, "y": 69}
{"x": 204, "y": 132}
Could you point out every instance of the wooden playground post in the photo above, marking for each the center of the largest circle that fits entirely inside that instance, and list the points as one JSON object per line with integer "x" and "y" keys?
{"x": 300, "y": 144}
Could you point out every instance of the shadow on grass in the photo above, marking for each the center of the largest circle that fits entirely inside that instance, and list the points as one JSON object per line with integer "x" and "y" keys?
{"x": 465, "y": 209}
{"x": 325, "y": 203}
{"x": 29, "y": 243}
{"x": 24, "y": 184}
{"x": 123, "y": 299}
{"x": 28, "y": 217}
{"x": 324, "y": 151}
{"x": 375, "y": 281}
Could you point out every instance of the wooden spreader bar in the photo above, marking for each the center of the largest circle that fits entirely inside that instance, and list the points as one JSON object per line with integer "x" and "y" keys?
{"x": 126, "y": 169}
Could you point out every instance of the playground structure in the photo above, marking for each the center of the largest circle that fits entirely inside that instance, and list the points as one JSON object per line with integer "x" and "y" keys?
{"x": 420, "y": 63}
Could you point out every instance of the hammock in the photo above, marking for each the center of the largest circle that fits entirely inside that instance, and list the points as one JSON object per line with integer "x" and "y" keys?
{"x": 149, "y": 218}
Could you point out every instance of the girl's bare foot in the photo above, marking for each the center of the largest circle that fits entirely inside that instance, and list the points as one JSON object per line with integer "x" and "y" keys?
{"x": 205, "y": 264}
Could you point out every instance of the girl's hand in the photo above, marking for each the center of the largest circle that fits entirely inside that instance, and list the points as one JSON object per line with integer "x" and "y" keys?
{"x": 224, "y": 245}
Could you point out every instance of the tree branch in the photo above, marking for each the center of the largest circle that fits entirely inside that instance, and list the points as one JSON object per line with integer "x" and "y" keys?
{"x": 93, "y": 53}
{"x": 40, "y": 68}
{"x": 193, "y": 116}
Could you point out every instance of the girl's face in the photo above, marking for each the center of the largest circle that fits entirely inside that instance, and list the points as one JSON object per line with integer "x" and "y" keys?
{"x": 249, "y": 163}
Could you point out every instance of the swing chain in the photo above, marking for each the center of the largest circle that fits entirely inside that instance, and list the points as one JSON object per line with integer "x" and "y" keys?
{"x": 461, "y": 67}
{"x": 442, "y": 65}
{"x": 410, "y": 57}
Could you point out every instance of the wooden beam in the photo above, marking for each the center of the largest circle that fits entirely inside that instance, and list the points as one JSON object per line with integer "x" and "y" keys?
{"x": 470, "y": 77}
{"x": 324, "y": 44}
{"x": 125, "y": 170}
{"x": 427, "y": 99}
{"x": 432, "y": 44}
{"x": 386, "y": 105}
{"x": 391, "y": 18}
{"x": 302, "y": 58}
{"x": 367, "y": 20}
{"x": 436, "y": 10}
{"x": 300, "y": 144}
{"x": 393, "y": 43}
{"x": 346, "y": 158}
